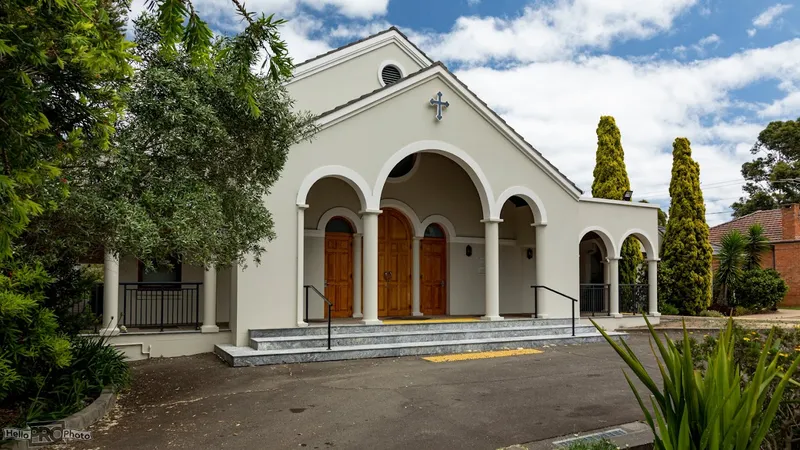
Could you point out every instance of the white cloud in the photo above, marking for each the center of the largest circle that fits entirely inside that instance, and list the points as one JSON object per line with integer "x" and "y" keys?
{"x": 751, "y": 32}
{"x": 786, "y": 107}
{"x": 556, "y": 105}
{"x": 555, "y": 30}
{"x": 766, "y": 18}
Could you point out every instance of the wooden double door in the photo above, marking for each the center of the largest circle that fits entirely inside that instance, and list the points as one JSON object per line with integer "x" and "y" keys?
{"x": 394, "y": 269}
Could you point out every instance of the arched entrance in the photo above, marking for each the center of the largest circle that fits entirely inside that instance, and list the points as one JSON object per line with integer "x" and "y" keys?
{"x": 339, "y": 266}
{"x": 433, "y": 271}
{"x": 394, "y": 264}
{"x": 595, "y": 283}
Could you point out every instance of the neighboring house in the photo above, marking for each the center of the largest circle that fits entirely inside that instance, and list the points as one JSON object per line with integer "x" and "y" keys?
{"x": 782, "y": 228}
{"x": 414, "y": 199}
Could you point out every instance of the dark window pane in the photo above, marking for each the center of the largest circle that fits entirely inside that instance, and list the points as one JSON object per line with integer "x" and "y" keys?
{"x": 403, "y": 167}
{"x": 338, "y": 225}
{"x": 434, "y": 231}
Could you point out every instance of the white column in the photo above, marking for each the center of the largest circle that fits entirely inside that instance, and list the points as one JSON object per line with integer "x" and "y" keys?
{"x": 300, "y": 274}
{"x": 370, "y": 247}
{"x": 541, "y": 270}
{"x": 492, "y": 269}
{"x": 110, "y": 295}
{"x": 415, "y": 277}
{"x": 357, "y": 276}
{"x": 613, "y": 273}
{"x": 210, "y": 301}
{"x": 652, "y": 286}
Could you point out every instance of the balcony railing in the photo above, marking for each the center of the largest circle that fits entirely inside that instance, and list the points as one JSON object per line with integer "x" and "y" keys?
{"x": 160, "y": 304}
{"x": 633, "y": 298}
{"x": 594, "y": 298}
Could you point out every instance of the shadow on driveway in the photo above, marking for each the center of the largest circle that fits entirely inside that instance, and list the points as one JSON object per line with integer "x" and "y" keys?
{"x": 199, "y": 402}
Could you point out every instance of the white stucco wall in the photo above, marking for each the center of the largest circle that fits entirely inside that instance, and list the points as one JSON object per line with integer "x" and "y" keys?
{"x": 365, "y": 141}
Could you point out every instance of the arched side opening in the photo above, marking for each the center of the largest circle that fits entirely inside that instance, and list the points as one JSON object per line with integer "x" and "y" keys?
{"x": 433, "y": 271}
{"x": 595, "y": 250}
{"x": 519, "y": 259}
{"x": 339, "y": 266}
{"x": 638, "y": 258}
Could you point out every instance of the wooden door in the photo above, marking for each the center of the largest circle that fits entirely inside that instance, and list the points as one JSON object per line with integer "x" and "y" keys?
{"x": 394, "y": 264}
{"x": 433, "y": 271}
{"x": 339, "y": 273}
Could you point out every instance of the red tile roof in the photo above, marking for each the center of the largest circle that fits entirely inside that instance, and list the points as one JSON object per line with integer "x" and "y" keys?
{"x": 770, "y": 220}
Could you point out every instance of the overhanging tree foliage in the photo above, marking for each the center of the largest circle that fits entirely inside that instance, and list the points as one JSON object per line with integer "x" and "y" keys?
{"x": 611, "y": 181}
{"x": 685, "y": 270}
{"x": 773, "y": 178}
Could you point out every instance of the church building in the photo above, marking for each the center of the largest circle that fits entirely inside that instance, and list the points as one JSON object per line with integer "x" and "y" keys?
{"x": 414, "y": 204}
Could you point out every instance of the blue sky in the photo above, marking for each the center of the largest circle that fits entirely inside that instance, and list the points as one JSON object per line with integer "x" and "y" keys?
{"x": 713, "y": 71}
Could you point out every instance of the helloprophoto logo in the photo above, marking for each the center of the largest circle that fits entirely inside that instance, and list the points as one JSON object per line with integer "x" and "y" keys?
{"x": 40, "y": 434}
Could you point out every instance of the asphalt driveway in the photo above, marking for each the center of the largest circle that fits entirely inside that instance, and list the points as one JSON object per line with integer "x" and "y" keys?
{"x": 198, "y": 402}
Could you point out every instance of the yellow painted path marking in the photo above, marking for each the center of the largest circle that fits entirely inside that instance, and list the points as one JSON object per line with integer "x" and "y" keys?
{"x": 482, "y": 355}
{"x": 402, "y": 322}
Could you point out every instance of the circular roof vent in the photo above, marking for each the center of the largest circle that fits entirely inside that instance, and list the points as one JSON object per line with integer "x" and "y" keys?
{"x": 390, "y": 74}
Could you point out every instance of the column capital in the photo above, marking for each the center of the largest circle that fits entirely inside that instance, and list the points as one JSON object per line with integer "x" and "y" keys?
{"x": 613, "y": 258}
{"x": 302, "y": 206}
{"x": 417, "y": 238}
{"x": 654, "y": 260}
{"x": 358, "y": 234}
{"x": 370, "y": 211}
{"x": 492, "y": 220}
{"x": 538, "y": 225}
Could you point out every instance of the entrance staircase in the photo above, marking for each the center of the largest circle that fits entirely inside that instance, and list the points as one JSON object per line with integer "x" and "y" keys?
{"x": 310, "y": 344}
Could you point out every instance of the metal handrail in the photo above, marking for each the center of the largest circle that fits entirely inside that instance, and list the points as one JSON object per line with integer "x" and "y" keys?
{"x": 536, "y": 302}
{"x": 330, "y": 306}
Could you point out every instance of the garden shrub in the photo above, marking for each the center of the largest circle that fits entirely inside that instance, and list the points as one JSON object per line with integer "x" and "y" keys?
{"x": 711, "y": 313}
{"x": 604, "y": 444}
{"x": 668, "y": 309}
{"x": 761, "y": 289}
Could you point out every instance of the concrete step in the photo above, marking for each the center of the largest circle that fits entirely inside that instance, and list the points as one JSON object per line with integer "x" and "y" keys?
{"x": 399, "y": 334}
{"x": 246, "y": 356}
{"x": 322, "y": 329}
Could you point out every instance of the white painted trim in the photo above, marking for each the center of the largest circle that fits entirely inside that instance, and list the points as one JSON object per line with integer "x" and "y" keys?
{"x": 534, "y": 202}
{"x": 619, "y": 202}
{"x": 470, "y": 99}
{"x": 611, "y": 249}
{"x": 407, "y": 211}
{"x": 410, "y": 173}
{"x": 304, "y": 70}
{"x": 390, "y": 62}
{"x": 644, "y": 238}
{"x": 343, "y": 173}
{"x": 340, "y": 211}
{"x": 314, "y": 233}
{"x": 451, "y": 152}
{"x": 481, "y": 241}
{"x": 443, "y": 221}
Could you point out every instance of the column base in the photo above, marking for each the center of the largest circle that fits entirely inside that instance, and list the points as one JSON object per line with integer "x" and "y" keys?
{"x": 615, "y": 315}
{"x": 109, "y": 331}
{"x": 371, "y": 322}
{"x": 302, "y": 324}
{"x": 654, "y": 314}
{"x": 209, "y": 329}
{"x": 540, "y": 316}
{"x": 417, "y": 314}
{"x": 491, "y": 318}
{"x": 357, "y": 316}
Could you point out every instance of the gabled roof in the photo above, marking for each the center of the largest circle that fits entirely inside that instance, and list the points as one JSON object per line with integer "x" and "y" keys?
{"x": 355, "y": 48}
{"x": 354, "y": 106}
{"x": 771, "y": 220}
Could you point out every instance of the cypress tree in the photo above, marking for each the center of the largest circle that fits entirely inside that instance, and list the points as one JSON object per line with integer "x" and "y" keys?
{"x": 611, "y": 181}
{"x": 685, "y": 272}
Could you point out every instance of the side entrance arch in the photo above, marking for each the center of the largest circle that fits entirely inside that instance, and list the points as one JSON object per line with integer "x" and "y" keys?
{"x": 339, "y": 266}
{"x": 433, "y": 272}
{"x": 394, "y": 263}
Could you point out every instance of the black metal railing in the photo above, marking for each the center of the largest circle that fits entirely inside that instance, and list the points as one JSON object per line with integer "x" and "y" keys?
{"x": 594, "y": 298}
{"x": 536, "y": 302}
{"x": 158, "y": 304}
{"x": 633, "y": 298}
{"x": 328, "y": 302}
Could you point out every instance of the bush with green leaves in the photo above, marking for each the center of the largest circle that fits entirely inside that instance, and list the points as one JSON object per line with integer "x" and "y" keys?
{"x": 761, "y": 289}
{"x": 748, "y": 345}
{"x": 718, "y": 407}
{"x": 603, "y": 444}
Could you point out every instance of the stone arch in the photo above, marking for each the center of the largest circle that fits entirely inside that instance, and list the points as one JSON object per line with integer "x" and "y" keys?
{"x": 611, "y": 249}
{"x": 644, "y": 238}
{"x": 343, "y": 173}
{"x": 534, "y": 202}
{"x": 340, "y": 211}
{"x": 451, "y": 152}
{"x": 440, "y": 220}
{"x": 407, "y": 211}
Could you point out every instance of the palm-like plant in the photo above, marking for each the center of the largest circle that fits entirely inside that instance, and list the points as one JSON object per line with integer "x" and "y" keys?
{"x": 731, "y": 258}
{"x": 756, "y": 244}
{"x": 716, "y": 409}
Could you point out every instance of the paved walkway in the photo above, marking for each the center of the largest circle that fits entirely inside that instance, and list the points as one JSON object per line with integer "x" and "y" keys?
{"x": 198, "y": 402}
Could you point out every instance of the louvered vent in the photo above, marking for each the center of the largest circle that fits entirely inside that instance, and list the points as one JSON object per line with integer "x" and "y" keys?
{"x": 390, "y": 74}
